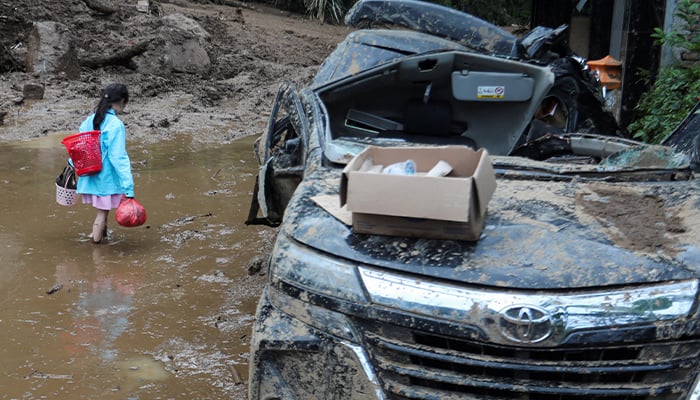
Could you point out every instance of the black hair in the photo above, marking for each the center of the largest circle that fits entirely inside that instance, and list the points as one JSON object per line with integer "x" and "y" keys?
{"x": 111, "y": 94}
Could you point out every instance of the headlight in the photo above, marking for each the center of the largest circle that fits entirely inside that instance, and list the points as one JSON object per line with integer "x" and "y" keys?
{"x": 310, "y": 270}
{"x": 324, "y": 320}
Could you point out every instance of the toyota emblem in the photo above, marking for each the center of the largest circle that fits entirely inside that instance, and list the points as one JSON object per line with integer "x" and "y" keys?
{"x": 525, "y": 324}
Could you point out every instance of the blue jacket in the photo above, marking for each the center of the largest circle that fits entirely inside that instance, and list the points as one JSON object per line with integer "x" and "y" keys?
{"x": 115, "y": 177}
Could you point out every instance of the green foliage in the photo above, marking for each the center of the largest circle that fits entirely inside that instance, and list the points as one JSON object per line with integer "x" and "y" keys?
{"x": 687, "y": 35}
{"x": 676, "y": 89}
{"x": 325, "y": 10}
{"x": 331, "y": 11}
{"x": 663, "y": 107}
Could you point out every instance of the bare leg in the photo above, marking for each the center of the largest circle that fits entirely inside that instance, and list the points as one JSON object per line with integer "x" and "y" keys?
{"x": 99, "y": 227}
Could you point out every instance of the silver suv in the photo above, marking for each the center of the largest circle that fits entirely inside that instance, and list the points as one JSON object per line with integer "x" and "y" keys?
{"x": 584, "y": 283}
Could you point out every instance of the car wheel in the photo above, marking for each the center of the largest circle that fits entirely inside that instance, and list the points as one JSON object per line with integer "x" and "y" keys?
{"x": 559, "y": 108}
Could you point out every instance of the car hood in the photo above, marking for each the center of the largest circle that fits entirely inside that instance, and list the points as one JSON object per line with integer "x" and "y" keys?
{"x": 686, "y": 137}
{"x": 538, "y": 235}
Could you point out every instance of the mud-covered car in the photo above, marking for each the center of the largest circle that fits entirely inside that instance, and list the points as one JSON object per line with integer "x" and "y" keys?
{"x": 584, "y": 283}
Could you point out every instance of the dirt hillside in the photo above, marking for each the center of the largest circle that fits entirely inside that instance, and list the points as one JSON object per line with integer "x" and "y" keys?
{"x": 210, "y": 70}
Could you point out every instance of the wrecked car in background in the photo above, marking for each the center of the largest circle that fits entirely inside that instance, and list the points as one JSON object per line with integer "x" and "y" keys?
{"x": 583, "y": 282}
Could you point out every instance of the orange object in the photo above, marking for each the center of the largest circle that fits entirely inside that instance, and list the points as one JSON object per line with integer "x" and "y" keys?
{"x": 609, "y": 71}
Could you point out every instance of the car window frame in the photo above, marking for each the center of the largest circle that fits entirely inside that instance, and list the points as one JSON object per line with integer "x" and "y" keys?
{"x": 274, "y": 184}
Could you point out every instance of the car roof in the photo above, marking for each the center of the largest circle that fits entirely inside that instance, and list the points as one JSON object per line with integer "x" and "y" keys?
{"x": 437, "y": 20}
{"x": 367, "y": 48}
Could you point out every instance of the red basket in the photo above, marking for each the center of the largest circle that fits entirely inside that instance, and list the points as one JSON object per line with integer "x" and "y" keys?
{"x": 84, "y": 149}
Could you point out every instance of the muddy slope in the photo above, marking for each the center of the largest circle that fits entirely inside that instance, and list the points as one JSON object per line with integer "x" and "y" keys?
{"x": 210, "y": 70}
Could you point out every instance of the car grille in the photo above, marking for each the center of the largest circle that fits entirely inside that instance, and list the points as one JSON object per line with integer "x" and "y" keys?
{"x": 418, "y": 365}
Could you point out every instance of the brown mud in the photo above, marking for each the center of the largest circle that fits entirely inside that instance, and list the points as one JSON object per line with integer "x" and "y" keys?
{"x": 161, "y": 311}
{"x": 252, "y": 49}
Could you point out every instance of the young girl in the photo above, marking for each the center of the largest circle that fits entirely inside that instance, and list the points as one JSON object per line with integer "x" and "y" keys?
{"x": 105, "y": 189}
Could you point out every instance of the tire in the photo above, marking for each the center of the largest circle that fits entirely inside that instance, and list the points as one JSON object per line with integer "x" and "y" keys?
{"x": 560, "y": 108}
{"x": 571, "y": 108}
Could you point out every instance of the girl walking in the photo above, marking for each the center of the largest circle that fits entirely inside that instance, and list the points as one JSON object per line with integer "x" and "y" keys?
{"x": 105, "y": 189}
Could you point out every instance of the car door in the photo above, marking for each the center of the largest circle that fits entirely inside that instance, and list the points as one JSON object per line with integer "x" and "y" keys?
{"x": 686, "y": 137}
{"x": 281, "y": 154}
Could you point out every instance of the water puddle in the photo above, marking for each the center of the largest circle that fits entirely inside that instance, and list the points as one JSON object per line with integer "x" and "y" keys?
{"x": 159, "y": 311}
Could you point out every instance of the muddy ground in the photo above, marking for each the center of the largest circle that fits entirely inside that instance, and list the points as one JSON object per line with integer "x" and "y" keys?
{"x": 251, "y": 49}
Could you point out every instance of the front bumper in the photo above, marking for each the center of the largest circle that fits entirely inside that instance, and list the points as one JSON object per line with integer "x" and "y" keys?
{"x": 291, "y": 360}
{"x": 407, "y": 358}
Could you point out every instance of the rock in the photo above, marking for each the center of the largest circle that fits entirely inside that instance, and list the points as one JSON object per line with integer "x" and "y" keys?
{"x": 50, "y": 49}
{"x": 189, "y": 57}
{"x": 256, "y": 264}
{"x": 184, "y": 51}
{"x": 33, "y": 91}
{"x": 101, "y": 7}
{"x": 180, "y": 46}
{"x": 178, "y": 26}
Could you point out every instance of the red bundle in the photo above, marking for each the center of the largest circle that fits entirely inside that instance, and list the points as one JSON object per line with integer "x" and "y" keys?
{"x": 130, "y": 213}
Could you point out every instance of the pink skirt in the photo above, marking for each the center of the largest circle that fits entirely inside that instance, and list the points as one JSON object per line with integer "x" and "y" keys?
{"x": 102, "y": 202}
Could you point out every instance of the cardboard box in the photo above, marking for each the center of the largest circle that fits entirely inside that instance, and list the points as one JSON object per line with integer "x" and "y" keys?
{"x": 451, "y": 207}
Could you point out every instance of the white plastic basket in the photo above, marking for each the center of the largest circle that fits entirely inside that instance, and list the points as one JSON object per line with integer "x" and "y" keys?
{"x": 65, "y": 196}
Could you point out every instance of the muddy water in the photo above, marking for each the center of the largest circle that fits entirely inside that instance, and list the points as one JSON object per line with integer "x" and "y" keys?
{"x": 161, "y": 311}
